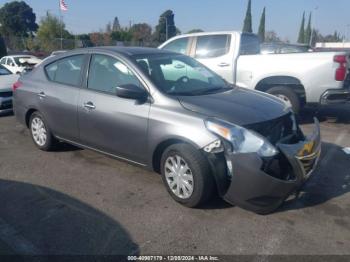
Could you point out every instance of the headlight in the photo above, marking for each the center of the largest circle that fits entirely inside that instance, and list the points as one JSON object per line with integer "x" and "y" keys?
{"x": 241, "y": 139}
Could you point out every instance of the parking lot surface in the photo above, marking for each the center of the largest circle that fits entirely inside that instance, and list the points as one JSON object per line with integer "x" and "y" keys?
{"x": 77, "y": 201}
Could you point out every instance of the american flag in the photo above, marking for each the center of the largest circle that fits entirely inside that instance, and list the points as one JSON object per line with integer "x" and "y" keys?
{"x": 63, "y": 5}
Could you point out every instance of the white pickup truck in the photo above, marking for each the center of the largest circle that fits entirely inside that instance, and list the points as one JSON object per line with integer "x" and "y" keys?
{"x": 319, "y": 78}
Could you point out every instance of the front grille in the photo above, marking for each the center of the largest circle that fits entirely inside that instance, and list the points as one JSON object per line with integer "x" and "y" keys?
{"x": 309, "y": 162}
{"x": 274, "y": 130}
{"x": 6, "y": 94}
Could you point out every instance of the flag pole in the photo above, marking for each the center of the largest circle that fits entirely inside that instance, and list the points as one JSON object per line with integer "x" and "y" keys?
{"x": 61, "y": 23}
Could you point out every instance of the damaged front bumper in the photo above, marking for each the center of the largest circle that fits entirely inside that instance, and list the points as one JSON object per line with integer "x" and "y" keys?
{"x": 261, "y": 185}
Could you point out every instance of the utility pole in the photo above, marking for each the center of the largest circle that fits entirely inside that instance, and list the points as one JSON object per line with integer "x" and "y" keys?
{"x": 313, "y": 28}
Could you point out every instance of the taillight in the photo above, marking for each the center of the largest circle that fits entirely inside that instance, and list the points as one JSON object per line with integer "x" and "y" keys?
{"x": 16, "y": 85}
{"x": 340, "y": 73}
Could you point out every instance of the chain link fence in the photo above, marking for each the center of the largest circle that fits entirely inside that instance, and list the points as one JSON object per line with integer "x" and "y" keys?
{"x": 45, "y": 47}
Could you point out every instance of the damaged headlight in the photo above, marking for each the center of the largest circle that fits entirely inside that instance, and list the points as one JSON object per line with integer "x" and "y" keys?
{"x": 241, "y": 139}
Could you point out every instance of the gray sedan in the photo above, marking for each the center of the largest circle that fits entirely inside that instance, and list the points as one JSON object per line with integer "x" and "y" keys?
{"x": 168, "y": 113}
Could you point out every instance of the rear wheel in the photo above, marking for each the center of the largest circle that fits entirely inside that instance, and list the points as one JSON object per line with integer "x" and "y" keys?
{"x": 186, "y": 175}
{"x": 40, "y": 133}
{"x": 287, "y": 95}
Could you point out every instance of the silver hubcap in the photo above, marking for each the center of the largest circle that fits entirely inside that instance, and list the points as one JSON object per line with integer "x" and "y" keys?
{"x": 179, "y": 177}
{"x": 285, "y": 99}
{"x": 38, "y": 131}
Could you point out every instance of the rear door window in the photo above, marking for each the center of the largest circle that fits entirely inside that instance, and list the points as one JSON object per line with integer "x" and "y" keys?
{"x": 210, "y": 46}
{"x": 250, "y": 44}
{"x": 66, "y": 71}
{"x": 178, "y": 46}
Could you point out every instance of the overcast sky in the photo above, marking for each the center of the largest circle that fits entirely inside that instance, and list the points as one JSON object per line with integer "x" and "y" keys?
{"x": 283, "y": 16}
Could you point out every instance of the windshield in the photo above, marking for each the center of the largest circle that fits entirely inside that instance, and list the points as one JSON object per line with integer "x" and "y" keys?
{"x": 4, "y": 71}
{"x": 176, "y": 74}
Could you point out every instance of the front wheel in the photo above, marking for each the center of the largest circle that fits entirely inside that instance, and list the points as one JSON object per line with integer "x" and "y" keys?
{"x": 287, "y": 95}
{"x": 186, "y": 175}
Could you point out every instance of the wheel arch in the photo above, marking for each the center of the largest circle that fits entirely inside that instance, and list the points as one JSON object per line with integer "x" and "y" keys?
{"x": 29, "y": 114}
{"x": 288, "y": 81}
{"x": 163, "y": 145}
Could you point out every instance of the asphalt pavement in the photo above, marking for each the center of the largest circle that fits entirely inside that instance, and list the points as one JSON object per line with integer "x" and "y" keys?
{"x": 75, "y": 201}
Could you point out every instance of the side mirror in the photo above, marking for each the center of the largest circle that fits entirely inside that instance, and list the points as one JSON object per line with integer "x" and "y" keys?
{"x": 131, "y": 91}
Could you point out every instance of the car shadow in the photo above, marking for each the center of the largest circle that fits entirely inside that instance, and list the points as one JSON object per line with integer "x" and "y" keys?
{"x": 330, "y": 180}
{"x": 65, "y": 147}
{"x": 216, "y": 203}
{"x": 37, "y": 220}
{"x": 339, "y": 114}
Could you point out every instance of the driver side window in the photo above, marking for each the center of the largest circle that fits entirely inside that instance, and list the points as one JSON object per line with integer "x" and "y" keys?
{"x": 106, "y": 73}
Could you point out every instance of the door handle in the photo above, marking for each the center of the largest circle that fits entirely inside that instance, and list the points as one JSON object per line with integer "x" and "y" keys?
{"x": 41, "y": 95}
{"x": 89, "y": 105}
{"x": 223, "y": 64}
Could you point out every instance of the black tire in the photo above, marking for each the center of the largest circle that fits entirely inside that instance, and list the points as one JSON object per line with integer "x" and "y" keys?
{"x": 289, "y": 93}
{"x": 51, "y": 141}
{"x": 203, "y": 182}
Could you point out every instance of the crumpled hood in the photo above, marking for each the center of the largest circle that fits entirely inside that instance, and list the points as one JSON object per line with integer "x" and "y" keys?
{"x": 7, "y": 81}
{"x": 239, "y": 106}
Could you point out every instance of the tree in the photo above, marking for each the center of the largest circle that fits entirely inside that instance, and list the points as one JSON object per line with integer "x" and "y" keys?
{"x": 85, "y": 40}
{"x": 247, "y": 26}
{"x": 166, "y": 27}
{"x": 49, "y": 33}
{"x": 116, "y": 25}
{"x": 123, "y": 35}
{"x": 271, "y": 36}
{"x": 141, "y": 33}
{"x": 109, "y": 28}
{"x": 319, "y": 38}
{"x": 301, "y": 38}
{"x": 3, "y": 49}
{"x": 195, "y": 31}
{"x": 308, "y": 32}
{"x": 261, "y": 32}
{"x": 17, "y": 19}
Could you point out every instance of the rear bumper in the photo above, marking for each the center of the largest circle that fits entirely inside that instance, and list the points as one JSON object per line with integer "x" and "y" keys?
{"x": 254, "y": 188}
{"x": 335, "y": 96}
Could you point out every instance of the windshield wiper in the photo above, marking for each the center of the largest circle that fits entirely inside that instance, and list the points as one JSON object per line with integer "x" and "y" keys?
{"x": 200, "y": 91}
{"x": 215, "y": 90}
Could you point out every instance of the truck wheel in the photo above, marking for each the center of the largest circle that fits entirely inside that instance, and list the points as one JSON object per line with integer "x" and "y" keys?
{"x": 287, "y": 95}
{"x": 186, "y": 175}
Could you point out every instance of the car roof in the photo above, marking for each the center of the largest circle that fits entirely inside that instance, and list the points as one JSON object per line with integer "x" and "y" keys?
{"x": 131, "y": 51}
{"x": 210, "y": 33}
